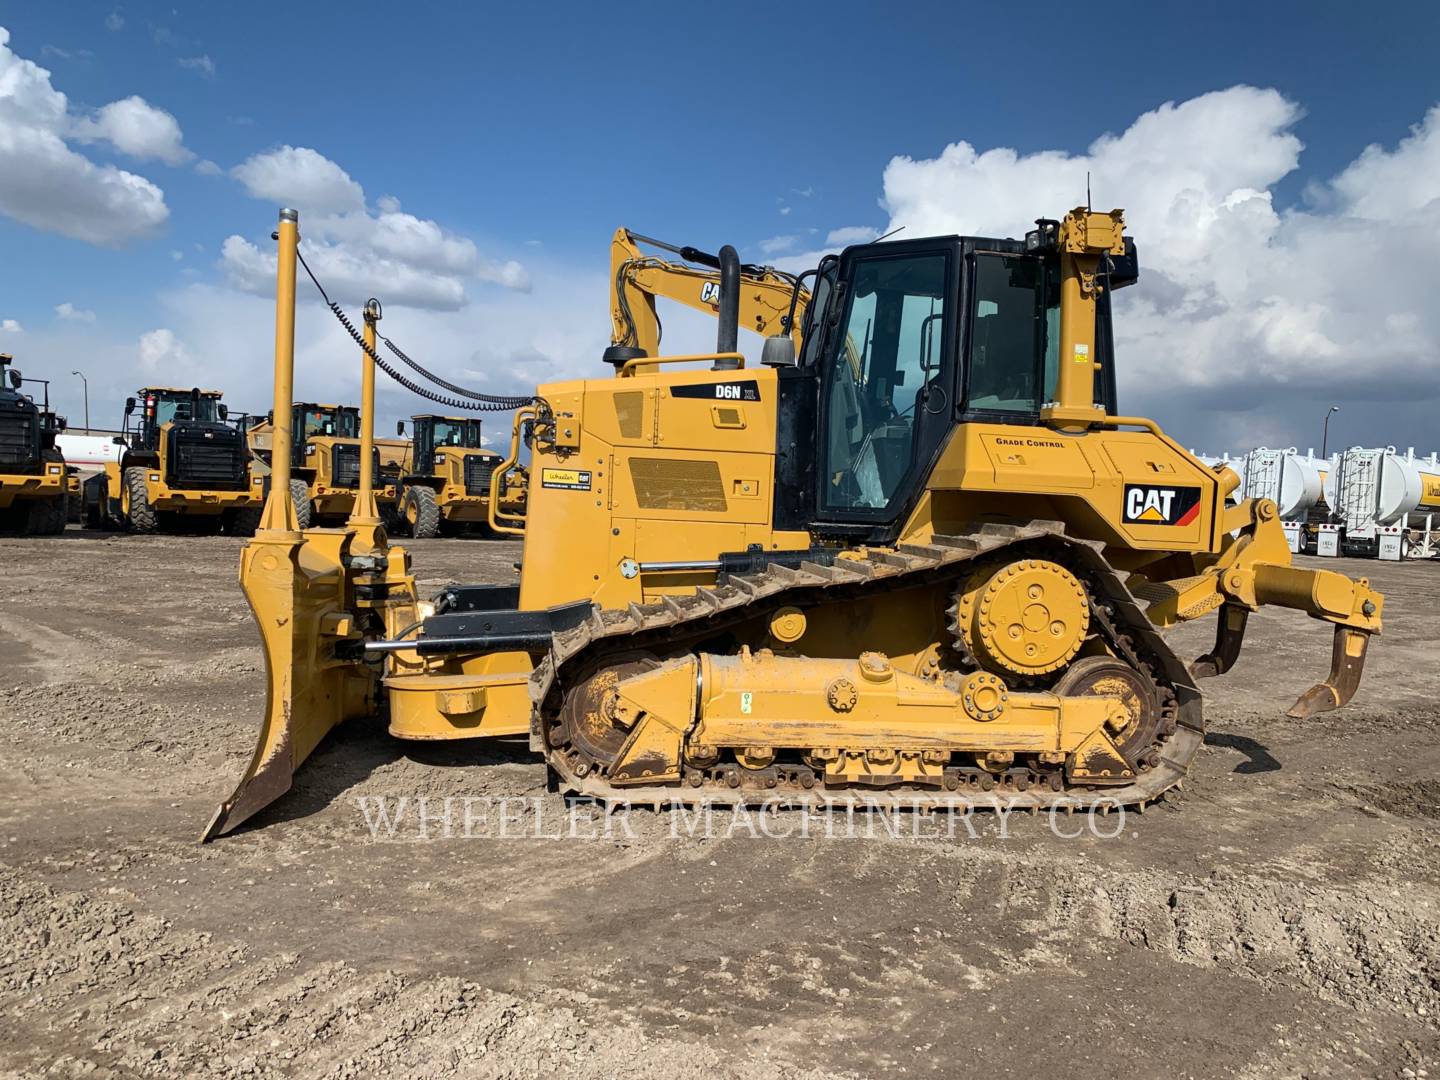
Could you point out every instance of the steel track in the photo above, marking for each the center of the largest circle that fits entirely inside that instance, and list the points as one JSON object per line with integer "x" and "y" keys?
{"x": 678, "y": 623}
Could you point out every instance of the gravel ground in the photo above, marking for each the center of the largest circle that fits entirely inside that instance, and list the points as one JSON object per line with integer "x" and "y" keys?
{"x": 1281, "y": 921}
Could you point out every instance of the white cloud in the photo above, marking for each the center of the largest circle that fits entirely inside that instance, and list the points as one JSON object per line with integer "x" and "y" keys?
{"x": 503, "y": 343}
{"x": 850, "y": 234}
{"x": 302, "y": 178}
{"x": 354, "y": 252}
{"x": 137, "y": 128}
{"x": 161, "y": 351}
{"x": 1246, "y": 316}
{"x": 203, "y": 64}
{"x": 784, "y": 211}
{"x": 49, "y": 186}
{"x": 114, "y": 21}
{"x": 776, "y": 244}
{"x": 10, "y": 326}
{"x": 66, "y": 54}
{"x": 206, "y": 167}
{"x": 71, "y": 313}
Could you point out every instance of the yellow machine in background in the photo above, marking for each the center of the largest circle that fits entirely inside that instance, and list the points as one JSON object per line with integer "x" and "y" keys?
{"x": 445, "y": 483}
{"x": 34, "y": 485}
{"x": 768, "y": 298}
{"x": 901, "y": 562}
{"x": 183, "y": 467}
{"x": 324, "y": 461}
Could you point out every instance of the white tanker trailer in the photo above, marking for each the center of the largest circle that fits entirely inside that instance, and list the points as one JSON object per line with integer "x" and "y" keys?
{"x": 89, "y": 453}
{"x": 1294, "y": 482}
{"x": 1384, "y": 504}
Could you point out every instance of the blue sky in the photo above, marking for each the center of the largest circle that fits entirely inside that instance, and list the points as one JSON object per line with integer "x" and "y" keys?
{"x": 531, "y": 132}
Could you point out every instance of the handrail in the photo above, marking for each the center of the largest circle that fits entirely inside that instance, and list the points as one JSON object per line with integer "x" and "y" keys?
{"x": 497, "y": 478}
{"x": 1133, "y": 421}
{"x": 630, "y": 365}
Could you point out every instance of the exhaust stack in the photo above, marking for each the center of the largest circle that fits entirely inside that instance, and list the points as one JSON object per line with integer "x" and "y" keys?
{"x": 728, "y": 337}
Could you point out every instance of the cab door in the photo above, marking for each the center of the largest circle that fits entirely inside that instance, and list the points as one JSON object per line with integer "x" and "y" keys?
{"x": 886, "y": 394}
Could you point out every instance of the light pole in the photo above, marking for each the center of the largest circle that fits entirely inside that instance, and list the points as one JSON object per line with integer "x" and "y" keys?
{"x": 86, "y": 383}
{"x": 1325, "y": 437}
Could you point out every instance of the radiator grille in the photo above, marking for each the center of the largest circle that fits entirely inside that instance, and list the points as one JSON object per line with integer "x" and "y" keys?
{"x": 478, "y": 470}
{"x": 18, "y": 443}
{"x": 345, "y": 465}
{"x": 210, "y": 459}
{"x": 676, "y": 484}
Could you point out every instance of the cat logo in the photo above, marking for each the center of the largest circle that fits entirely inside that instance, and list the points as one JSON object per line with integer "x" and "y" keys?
{"x": 710, "y": 292}
{"x": 1146, "y": 504}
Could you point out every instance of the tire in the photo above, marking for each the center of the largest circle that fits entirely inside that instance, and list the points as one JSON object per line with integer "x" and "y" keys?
{"x": 140, "y": 516}
{"x": 52, "y": 515}
{"x": 422, "y": 515}
{"x": 243, "y": 522}
{"x": 300, "y": 494}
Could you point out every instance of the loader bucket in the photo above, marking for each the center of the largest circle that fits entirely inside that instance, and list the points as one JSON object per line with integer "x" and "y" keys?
{"x": 296, "y": 584}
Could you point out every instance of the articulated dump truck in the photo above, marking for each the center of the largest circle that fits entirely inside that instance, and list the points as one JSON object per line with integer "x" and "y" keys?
{"x": 917, "y": 557}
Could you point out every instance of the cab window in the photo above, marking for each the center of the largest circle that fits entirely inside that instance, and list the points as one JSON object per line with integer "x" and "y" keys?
{"x": 884, "y": 365}
{"x": 1006, "y": 367}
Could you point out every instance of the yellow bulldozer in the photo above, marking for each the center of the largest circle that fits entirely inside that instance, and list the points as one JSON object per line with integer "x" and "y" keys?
{"x": 324, "y": 461}
{"x": 917, "y": 558}
{"x": 184, "y": 467}
{"x": 34, "y": 483}
{"x": 444, "y": 483}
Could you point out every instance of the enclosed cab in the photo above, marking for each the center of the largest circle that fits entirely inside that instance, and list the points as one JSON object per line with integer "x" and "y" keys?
{"x": 34, "y": 488}
{"x": 182, "y": 467}
{"x": 324, "y": 461}
{"x": 446, "y": 484}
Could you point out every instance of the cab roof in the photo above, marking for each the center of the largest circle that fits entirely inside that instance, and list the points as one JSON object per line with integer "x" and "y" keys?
{"x": 186, "y": 390}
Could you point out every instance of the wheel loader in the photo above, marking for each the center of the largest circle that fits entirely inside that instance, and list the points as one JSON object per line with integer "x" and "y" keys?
{"x": 445, "y": 483}
{"x": 183, "y": 468}
{"x": 34, "y": 484}
{"x": 918, "y": 557}
{"x": 324, "y": 460}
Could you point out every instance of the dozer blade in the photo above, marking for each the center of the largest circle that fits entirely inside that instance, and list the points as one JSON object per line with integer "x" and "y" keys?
{"x": 296, "y": 590}
{"x": 1347, "y": 663}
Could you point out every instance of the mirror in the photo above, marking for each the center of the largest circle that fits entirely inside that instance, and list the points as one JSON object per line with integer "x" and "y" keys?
{"x": 15, "y": 378}
{"x": 224, "y": 412}
{"x": 129, "y": 405}
{"x": 400, "y": 427}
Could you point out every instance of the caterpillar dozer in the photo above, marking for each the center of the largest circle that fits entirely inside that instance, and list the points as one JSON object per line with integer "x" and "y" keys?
{"x": 34, "y": 484}
{"x": 445, "y": 483}
{"x": 920, "y": 559}
{"x": 184, "y": 466}
{"x": 324, "y": 460}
